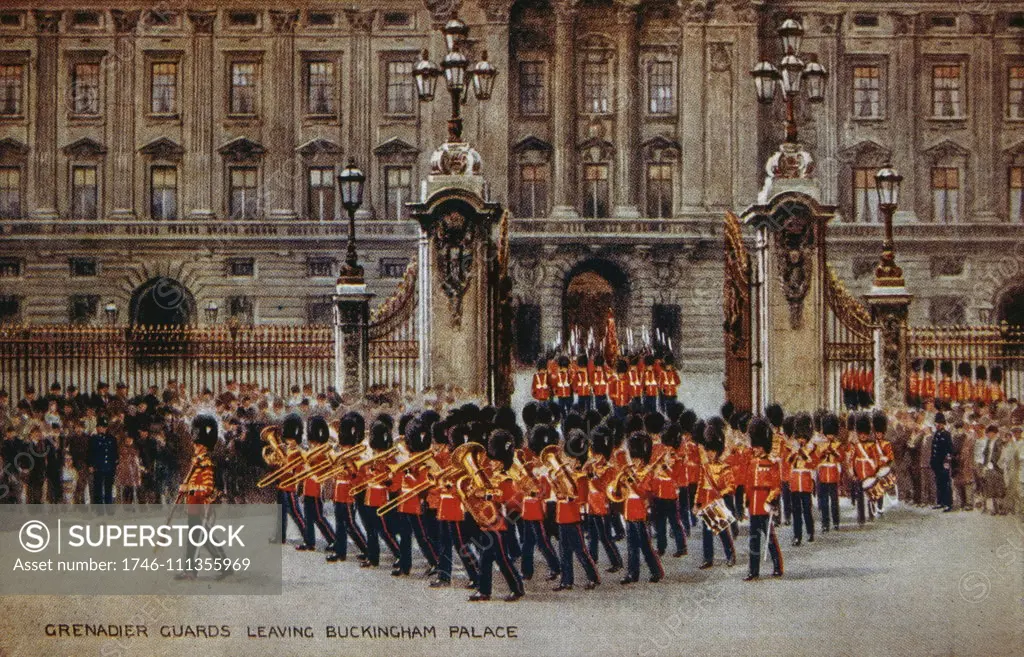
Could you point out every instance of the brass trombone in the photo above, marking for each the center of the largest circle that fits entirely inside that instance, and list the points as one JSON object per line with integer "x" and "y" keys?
{"x": 343, "y": 460}
{"x": 433, "y": 479}
{"x": 331, "y": 462}
{"x": 377, "y": 478}
{"x": 308, "y": 456}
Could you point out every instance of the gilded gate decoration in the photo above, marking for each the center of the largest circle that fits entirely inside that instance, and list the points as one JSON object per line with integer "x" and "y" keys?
{"x": 736, "y": 307}
{"x": 849, "y": 347}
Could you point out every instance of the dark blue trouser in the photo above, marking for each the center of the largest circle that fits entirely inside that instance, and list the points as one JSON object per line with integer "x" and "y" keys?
{"x": 289, "y": 502}
{"x": 586, "y": 401}
{"x": 494, "y": 548}
{"x": 709, "y": 544}
{"x": 787, "y": 503}
{"x": 313, "y": 510}
{"x": 857, "y": 495}
{"x": 758, "y": 526}
{"x": 344, "y": 527}
{"x": 638, "y": 540}
{"x": 685, "y": 502}
{"x": 452, "y": 536}
{"x": 372, "y": 525}
{"x": 407, "y": 526}
{"x": 570, "y": 543}
{"x": 650, "y": 404}
{"x": 802, "y": 515}
{"x": 103, "y": 488}
{"x": 828, "y": 504}
{"x": 667, "y": 511}
{"x": 943, "y": 487}
{"x": 534, "y": 536}
{"x": 599, "y": 529}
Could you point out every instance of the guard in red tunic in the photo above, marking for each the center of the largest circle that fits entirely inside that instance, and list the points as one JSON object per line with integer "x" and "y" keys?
{"x": 688, "y": 467}
{"x": 199, "y": 491}
{"x": 581, "y": 385}
{"x": 763, "y": 489}
{"x": 291, "y": 433}
{"x": 716, "y": 483}
{"x": 946, "y": 389}
{"x": 451, "y": 517}
{"x": 620, "y": 391}
{"x": 651, "y": 384}
{"x": 571, "y": 491}
{"x": 376, "y": 495}
{"x": 669, "y": 382}
{"x": 664, "y": 491}
{"x": 541, "y": 388}
{"x": 928, "y": 387}
{"x": 638, "y": 538}
{"x": 561, "y": 385}
{"x": 534, "y": 531}
{"x": 995, "y": 388}
{"x": 865, "y": 464}
{"x": 964, "y": 386}
{"x": 408, "y": 516}
{"x": 599, "y": 380}
{"x": 599, "y": 527}
{"x": 318, "y": 433}
{"x": 802, "y": 462}
{"x": 979, "y": 394}
{"x": 830, "y": 459}
{"x": 914, "y": 383}
{"x": 351, "y": 432}
{"x": 636, "y": 381}
{"x": 883, "y": 451}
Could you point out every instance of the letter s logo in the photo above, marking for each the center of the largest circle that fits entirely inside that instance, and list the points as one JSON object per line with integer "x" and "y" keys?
{"x": 34, "y": 536}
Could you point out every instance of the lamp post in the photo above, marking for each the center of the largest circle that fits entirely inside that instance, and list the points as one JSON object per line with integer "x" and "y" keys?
{"x": 211, "y": 312}
{"x": 111, "y": 311}
{"x": 351, "y": 180}
{"x": 887, "y": 185}
{"x": 458, "y": 74}
{"x": 790, "y": 74}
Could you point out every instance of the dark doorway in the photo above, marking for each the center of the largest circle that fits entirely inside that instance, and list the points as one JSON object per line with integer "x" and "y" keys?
{"x": 1011, "y": 306}
{"x": 593, "y": 289}
{"x": 162, "y": 302}
{"x": 527, "y": 328}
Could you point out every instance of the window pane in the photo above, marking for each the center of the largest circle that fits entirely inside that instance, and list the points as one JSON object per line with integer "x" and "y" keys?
{"x": 10, "y": 89}
{"x": 84, "y": 193}
{"x": 595, "y": 202}
{"x": 321, "y": 193}
{"x": 866, "y": 92}
{"x": 243, "y": 88}
{"x": 244, "y": 198}
{"x": 1017, "y": 194}
{"x": 164, "y": 193}
{"x": 533, "y": 190}
{"x": 1015, "y": 93}
{"x": 85, "y": 88}
{"x": 397, "y": 191}
{"x": 946, "y": 91}
{"x": 660, "y": 98}
{"x": 659, "y": 190}
{"x": 401, "y": 88}
{"x": 10, "y": 193}
{"x": 865, "y": 196}
{"x": 595, "y": 85}
{"x": 165, "y": 88}
{"x": 320, "y": 78}
{"x": 945, "y": 194}
{"x": 532, "y": 94}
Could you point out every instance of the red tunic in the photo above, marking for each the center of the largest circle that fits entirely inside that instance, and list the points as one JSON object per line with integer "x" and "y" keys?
{"x": 914, "y": 386}
{"x": 995, "y": 393}
{"x": 865, "y": 461}
{"x": 828, "y": 464}
{"x": 651, "y": 384}
{"x": 411, "y": 480}
{"x": 294, "y": 463}
{"x": 581, "y": 384}
{"x": 670, "y": 382}
{"x": 763, "y": 485}
{"x": 963, "y": 390}
{"x": 619, "y": 390}
{"x": 716, "y": 480}
{"x": 540, "y": 388}
{"x": 636, "y": 388}
{"x": 928, "y": 387}
{"x": 199, "y": 488}
{"x": 563, "y": 383}
{"x": 635, "y": 507}
{"x": 946, "y": 389}
{"x": 801, "y": 475}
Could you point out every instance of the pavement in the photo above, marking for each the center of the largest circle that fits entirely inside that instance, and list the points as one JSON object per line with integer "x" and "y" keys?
{"x": 914, "y": 582}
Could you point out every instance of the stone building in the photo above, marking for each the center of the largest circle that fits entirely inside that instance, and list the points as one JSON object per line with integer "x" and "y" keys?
{"x": 177, "y": 163}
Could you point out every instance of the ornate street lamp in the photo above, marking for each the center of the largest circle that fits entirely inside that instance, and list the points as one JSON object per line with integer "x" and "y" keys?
{"x": 211, "y": 312}
{"x": 351, "y": 180}
{"x": 887, "y": 185}
{"x": 459, "y": 74}
{"x": 111, "y": 311}
{"x": 789, "y": 75}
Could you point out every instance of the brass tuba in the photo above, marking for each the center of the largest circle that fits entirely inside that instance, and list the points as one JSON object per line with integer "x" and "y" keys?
{"x": 273, "y": 451}
{"x": 475, "y": 487}
{"x": 561, "y": 472}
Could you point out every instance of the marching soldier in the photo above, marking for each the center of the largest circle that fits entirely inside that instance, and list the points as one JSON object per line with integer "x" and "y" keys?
{"x": 664, "y": 492}
{"x": 198, "y": 491}
{"x": 599, "y": 381}
{"x": 599, "y": 469}
{"x": 830, "y": 458}
{"x": 716, "y": 482}
{"x": 883, "y": 448}
{"x": 914, "y": 383}
{"x": 638, "y": 538}
{"x": 864, "y": 463}
{"x": 581, "y": 384}
{"x": 651, "y": 385}
{"x": 689, "y": 473}
{"x": 946, "y": 389}
{"x": 763, "y": 487}
{"x": 318, "y": 433}
{"x": 562, "y": 385}
{"x": 928, "y": 388}
{"x": 964, "y": 387}
{"x": 534, "y": 530}
{"x": 801, "y": 479}
{"x": 409, "y": 518}
{"x": 996, "y": 394}
{"x": 351, "y": 431}
{"x": 620, "y": 391}
{"x": 571, "y": 492}
{"x": 376, "y": 496}
{"x": 669, "y": 382}
{"x": 541, "y": 388}
{"x": 287, "y": 496}
{"x": 451, "y": 517}
{"x": 979, "y": 394}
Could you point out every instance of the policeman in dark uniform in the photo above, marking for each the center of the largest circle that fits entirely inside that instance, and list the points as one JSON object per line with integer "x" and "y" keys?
{"x": 103, "y": 462}
{"x": 941, "y": 462}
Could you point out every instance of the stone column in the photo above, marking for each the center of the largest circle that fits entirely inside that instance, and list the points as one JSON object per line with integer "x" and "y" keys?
{"x": 494, "y": 140}
{"x": 903, "y": 65}
{"x": 627, "y": 120}
{"x": 693, "y": 78}
{"x": 45, "y": 184}
{"x": 986, "y": 184}
{"x": 564, "y": 110}
{"x": 362, "y": 99}
{"x": 889, "y": 310}
{"x": 280, "y": 174}
{"x": 827, "y": 119}
{"x": 352, "y": 340}
{"x": 122, "y": 138}
{"x": 199, "y": 173}
{"x": 423, "y": 309}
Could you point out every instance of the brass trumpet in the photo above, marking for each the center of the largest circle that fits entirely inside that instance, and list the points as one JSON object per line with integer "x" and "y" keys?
{"x": 308, "y": 457}
{"x": 378, "y": 478}
{"x": 622, "y": 485}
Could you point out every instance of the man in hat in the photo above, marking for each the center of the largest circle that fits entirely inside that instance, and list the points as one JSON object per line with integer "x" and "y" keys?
{"x": 802, "y": 461}
{"x": 763, "y": 486}
{"x": 664, "y": 491}
{"x": 830, "y": 457}
{"x": 541, "y": 387}
{"x": 716, "y": 482}
{"x": 599, "y": 526}
{"x": 318, "y": 433}
{"x": 638, "y": 537}
{"x": 947, "y": 389}
{"x": 964, "y": 387}
{"x": 570, "y": 498}
{"x": 103, "y": 463}
{"x": 599, "y": 381}
{"x": 669, "y": 382}
{"x": 941, "y": 463}
{"x": 865, "y": 463}
{"x": 581, "y": 384}
{"x": 287, "y": 496}
{"x": 351, "y": 432}
{"x": 620, "y": 390}
{"x": 562, "y": 384}
{"x": 198, "y": 490}
{"x": 409, "y": 516}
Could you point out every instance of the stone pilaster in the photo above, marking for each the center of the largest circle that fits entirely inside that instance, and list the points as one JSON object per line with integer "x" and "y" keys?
{"x": 45, "y": 147}
{"x": 889, "y": 310}
{"x": 362, "y": 98}
{"x": 280, "y": 175}
{"x": 564, "y": 119}
{"x": 352, "y": 340}
{"x": 199, "y": 173}
{"x": 906, "y": 105}
{"x": 693, "y": 79}
{"x": 987, "y": 183}
{"x": 122, "y": 135}
{"x": 827, "y": 116}
{"x": 627, "y": 120}
{"x": 494, "y": 140}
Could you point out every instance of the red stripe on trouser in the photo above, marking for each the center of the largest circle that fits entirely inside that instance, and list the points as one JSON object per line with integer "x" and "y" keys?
{"x": 465, "y": 555}
{"x": 504, "y": 557}
{"x": 321, "y": 523}
{"x": 296, "y": 516}
{"x": 426, "y": 539}
{"x": 646, "y": 536}
{"x": 586, "y": 553}
{"x": 387, "y": 535}
{"x": 357, "y": 534}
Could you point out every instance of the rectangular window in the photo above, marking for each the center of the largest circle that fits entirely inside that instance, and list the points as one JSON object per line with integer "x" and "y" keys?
{"x": 243, "y": 19}
{"x": 659, "y": 190}
{"x": 163, "y": 88}
{"x": 319, "y": 19}
{"x": 10, "y": 193}
{"x": 11, "y": 19}
{"x": 244, "y": 200}
{"x": 595, "y": 186}
{"x": 85, "y": 88}
{"x": 397, "y": 192}
{"x": 11, "y": 89}
{"x": 397, "y": 19}
{"x": 865, "y": 20}
{"x": 240, "y": 308}
{"x": 392, "y": 267}
{"x": 596, "y": 96}
{"x": 320, "y": 87}
{"x": 83, "y": 308}
{"x": 945, "y": 194}
{"x": 533, "y": 98}
{"x": 1017, "y": 194}
{"x": 401, "y": 88}
{"x": 242, "y": 267}
{"x": 243, "y": 87}
{"x": 660, "y": 97}
{"x": 85, "y": 19}
{"x": 1015, "y": 93}
{"x": 85, "y": 194}
{"x": 10, "y": 268}
{"x": 163, "y": 193}
{"x": 865, "y": 196}
{"x": 320, "y": 311}
{"x": 321, "y": 193}
{"x": 82, "y": 267}
{"x": 533, "y": 190}
{"x": 947, "y": 91}
{"x": 320, "y": 267}
{"x": 10, "y": 309}
{"x": 867, "y": 92}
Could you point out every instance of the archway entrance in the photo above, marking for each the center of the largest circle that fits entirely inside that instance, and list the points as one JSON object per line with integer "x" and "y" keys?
{"x": 1010, "y": 308}
{"x": 593, "y": 289}
{"x": 162, "y": 301}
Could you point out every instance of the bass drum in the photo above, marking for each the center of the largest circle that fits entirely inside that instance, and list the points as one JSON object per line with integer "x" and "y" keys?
{"x": 717, "y": 516}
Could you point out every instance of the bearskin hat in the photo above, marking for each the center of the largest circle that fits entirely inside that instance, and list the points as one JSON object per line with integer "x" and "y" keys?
{"x": 439, "y": 433}
{"x": 654, "y": 423}
{"x": 487, "y": 414}
{"x": 775, "y": 414}
{"x": 542, "y": 364}
{"x": 429, "y": 417}
{"x": 556, "y": 412}
{"x": 352, "y": 429}
{"x": 478, "y": 433}
{"x": 577, "y": 445}
{"x": 817, "y": 417}
{"x": 505, "y": 418}
{"x": 741, "y": 420}
{"x": 601, "y": 441}
{"x": 803, "y": 426}
{"x": 101, "y": 421}
{"x": 789, "y": 425}
{"x": 649, "y": 360}
{"x": 728, "y": 408}
{"x": 292, "y": 427}
{"x": 541, "y": 416}
{"x": 830, "y": 424}
{"x": 670, "y": 359}
{"x": 929, "y": 366}
{"x": 686, "y": 421}
{"x": 640, "y": 446}
{"x": 573, "y": 421}
{"x": 946, "y": 368}
{"x": 317, "y": 430}
{"x": 501, "y": 447}
{"x": 530, "y": 414}
{"x": 940, "y": 418}
{"x": 714, "y": 435}
{"x": 417, "y": 436}
{"x": 634, "y": 422}
{"x": 980, "y": 373}
{"x": 863, "y": 423}
{"x": 760, "y": 434}
{"x": 916, "y": 364}
{"x": 536, "y": 439}
{"x": 621, "y": 367}
{"x": 459, "y": 435}
{"x": 592, "y": 418}
{"x": 380, "y": 436}
{"x": 879, "y": 421}
{"x": 385, "y": 418}
{"x": 674, "y": 410}
{"x": 204, "y": 431}
{"x": 698, "y": 431}
{"x": 964, "y": 370}
{"x": 603, "y": 407}
{"x": 997, "y": 374}
{"x": 563, "y": 361}
{"x": 672, "y": 436}
{"x": 851, "y": 422}
{"x": 618, "y": 434}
